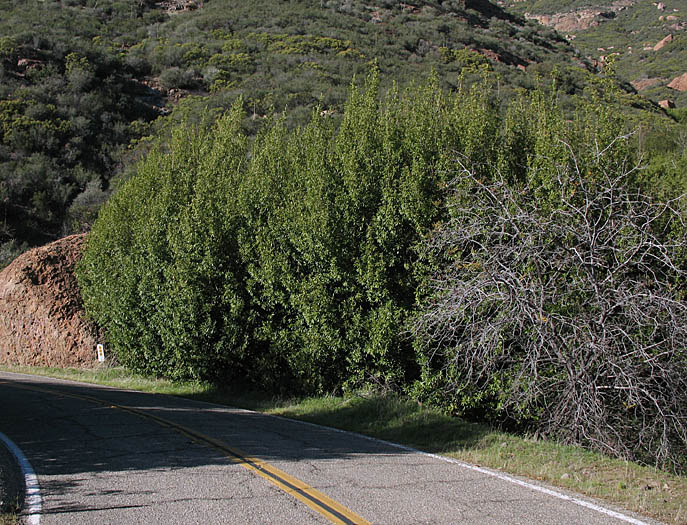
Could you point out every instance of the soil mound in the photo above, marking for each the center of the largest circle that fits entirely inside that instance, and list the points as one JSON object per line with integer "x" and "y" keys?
{"x": 42, "y": 322}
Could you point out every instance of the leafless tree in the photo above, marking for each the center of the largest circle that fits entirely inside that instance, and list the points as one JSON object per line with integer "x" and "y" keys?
{"x": 574, "y": 303}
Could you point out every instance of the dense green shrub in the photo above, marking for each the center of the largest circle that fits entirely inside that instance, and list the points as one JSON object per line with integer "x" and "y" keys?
{"x": 162, "y": 270}
{"x": 289, "y": 259}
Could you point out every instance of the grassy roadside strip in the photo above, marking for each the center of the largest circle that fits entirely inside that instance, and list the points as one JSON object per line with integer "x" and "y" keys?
{"x": 641, "y": 489}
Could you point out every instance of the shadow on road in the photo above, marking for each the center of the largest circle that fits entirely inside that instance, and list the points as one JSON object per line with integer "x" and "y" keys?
{"x": 75, "y": 433}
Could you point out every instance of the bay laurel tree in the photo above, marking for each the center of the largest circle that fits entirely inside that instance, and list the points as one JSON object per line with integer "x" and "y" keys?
{"x": 287, "y": 258}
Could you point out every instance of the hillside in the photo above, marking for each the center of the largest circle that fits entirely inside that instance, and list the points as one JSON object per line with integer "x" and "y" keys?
{"x": 647, "y": 39}
{"x": 69, "y": 105}
{"x": 81, "y": 79}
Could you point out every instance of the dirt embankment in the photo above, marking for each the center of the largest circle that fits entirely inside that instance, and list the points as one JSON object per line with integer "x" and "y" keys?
{"x": 41, "y": 314}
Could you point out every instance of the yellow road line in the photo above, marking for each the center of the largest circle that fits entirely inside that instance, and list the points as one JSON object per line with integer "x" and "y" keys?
{"x": 311, "y": 497}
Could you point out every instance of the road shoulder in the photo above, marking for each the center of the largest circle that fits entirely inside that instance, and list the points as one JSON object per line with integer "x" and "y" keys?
{"x": 11, "y": 482}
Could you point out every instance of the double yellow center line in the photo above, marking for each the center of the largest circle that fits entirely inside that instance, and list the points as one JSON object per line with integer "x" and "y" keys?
{"x": 311, "y": 497}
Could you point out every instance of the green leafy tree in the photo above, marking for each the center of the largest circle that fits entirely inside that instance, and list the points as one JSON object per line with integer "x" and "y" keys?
{"x": 162, "y": 271}
{"x": 307, "y": 237}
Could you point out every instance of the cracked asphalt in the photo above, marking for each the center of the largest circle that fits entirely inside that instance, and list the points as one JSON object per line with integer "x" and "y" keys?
{"x": 98, "y": 464}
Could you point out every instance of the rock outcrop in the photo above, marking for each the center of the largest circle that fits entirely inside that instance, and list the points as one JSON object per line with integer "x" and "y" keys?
{"x": 645, "y": 83}
{"x": 663, "y": 43}
{"x": 42, "y": 322}
{"x": 568, "y": 22}
{"x": 679, "y": 83}
{"x": 581, "y": 19}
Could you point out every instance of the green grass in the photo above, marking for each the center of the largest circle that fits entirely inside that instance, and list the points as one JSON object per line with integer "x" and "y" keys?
{"x": 649, "y": 491}
{"x": 9, "y": 519}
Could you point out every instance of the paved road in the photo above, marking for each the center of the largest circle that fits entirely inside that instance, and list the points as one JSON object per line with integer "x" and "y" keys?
{"x": 103, "y": 455}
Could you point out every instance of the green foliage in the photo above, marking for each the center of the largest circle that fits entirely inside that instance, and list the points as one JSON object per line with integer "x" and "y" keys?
{"x": 82, "y": 72}
{"x": 74, "y": 62}
{"x": 65, "y": 106}
{"x": 288, "y": 260}
{"x": 176, "y": 292}
{"x": 465, "y": 57}
{"x": 295, "y": 259}
{"x": 7, "y": 46}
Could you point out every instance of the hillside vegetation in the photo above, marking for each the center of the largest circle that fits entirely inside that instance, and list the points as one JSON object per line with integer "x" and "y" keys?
{"x": 81, "y": 79}
{"x": 647, "y": 41}
{"x": 69, "y": 105}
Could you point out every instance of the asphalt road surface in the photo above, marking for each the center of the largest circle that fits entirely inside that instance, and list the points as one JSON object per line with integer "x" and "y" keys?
{"x": 103, "y": 455}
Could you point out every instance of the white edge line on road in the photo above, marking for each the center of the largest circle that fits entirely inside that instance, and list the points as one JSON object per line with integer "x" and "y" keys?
{"x": 496, "y": 474}
{"x": 488, "y": 472}
{"x": 33, "y": 502}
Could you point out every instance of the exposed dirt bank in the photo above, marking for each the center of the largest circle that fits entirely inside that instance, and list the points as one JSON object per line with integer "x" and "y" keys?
{"x": 42, "y": 322}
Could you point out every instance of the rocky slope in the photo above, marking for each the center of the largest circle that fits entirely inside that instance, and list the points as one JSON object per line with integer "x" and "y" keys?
{"x": 41, "y": 317}
{"x": 582, "y": 18}
{"x": 647, "y": 40}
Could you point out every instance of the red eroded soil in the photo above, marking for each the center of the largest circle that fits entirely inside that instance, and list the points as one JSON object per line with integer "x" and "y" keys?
{"x": 42, "y": 321}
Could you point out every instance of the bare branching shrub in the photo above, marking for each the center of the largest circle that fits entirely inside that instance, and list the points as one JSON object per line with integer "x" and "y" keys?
{"x": 566, "y": 313}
